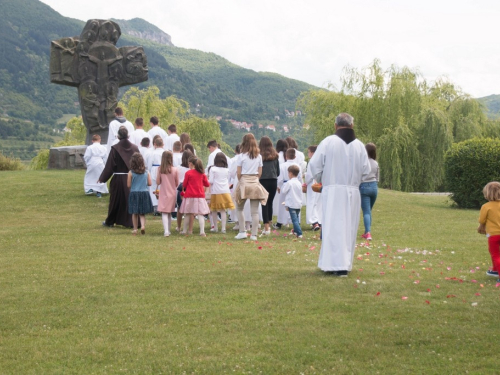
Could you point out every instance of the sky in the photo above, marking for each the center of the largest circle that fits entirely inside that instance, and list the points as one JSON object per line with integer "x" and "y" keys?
{"x": 314, "y": 40}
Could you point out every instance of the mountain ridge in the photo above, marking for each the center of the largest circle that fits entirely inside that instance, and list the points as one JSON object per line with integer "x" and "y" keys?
{"x": 205, "y": 80}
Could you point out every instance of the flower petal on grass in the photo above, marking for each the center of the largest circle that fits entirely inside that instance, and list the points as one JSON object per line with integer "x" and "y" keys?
{"x": 378, "y": 294}
{"x": 427, "y": 302}
{"x": 404, "y": 298}
{"x": 478, "y": 294}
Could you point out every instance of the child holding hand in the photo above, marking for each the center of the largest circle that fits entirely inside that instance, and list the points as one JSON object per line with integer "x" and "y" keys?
{"x": 194, "y": 202}
{"x": 489, "y": 224}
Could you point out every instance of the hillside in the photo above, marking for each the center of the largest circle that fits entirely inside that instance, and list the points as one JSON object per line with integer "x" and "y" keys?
{"x": 492, "y": 104}
{"x": 208, "y": 82}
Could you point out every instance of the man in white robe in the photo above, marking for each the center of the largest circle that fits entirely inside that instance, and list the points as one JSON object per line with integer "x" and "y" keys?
{"x": 340, "y": 163}
{"x": 153, "y": 163}
{"x": 139, "y": 133}
{"x": 157, "y": 130}
{"x": 114, "y": 126}
{"x": 95, "y": 159}
{"x": 172, "y": 137}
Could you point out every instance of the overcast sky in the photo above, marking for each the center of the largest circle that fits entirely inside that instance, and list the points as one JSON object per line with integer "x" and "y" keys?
{"x": 313, "y": 40}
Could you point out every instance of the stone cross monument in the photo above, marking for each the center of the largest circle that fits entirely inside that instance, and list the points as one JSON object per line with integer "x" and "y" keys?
{"x": 94, "y": 64}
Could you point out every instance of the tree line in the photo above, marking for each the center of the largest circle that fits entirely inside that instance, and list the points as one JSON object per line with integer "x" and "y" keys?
{"x": 413, "y": 122}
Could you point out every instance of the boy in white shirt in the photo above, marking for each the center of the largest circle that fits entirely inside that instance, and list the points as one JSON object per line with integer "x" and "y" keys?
{"x": 156, "y": 130}
{"x": 172, "y": 137}
{"x": 139, "y": 132}
{"x": 282, "y": 216}
{"x": 292, "y": 191}
{"x": 177, "y": 153}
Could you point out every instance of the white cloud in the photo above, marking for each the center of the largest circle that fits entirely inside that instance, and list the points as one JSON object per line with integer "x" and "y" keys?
{"x": 313, "y": 40}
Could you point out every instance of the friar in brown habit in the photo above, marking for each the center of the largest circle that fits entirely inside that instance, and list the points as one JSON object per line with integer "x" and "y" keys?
{"x": 118, "y": 166}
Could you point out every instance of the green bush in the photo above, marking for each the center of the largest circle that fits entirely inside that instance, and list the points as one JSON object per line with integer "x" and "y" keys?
{"x": 470, "y": 165}
{"x": 10, "y": 164}
{"x": 41, "y": 160}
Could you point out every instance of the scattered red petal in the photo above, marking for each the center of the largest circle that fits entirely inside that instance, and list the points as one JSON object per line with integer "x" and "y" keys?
{"x": 378, "y": 294}
{"x": 429, "y": 290}
{"x": 404, "y": 298}
{"x": 478, "y": 294}
{"x": 312, "y": 248}
{"x": 260, "y": 247}
{"x": 416, "y": 282}
{"x": 473, "y": 281}
{"x": 382, "y": 273}
{"x": 437, "y": 286}
{"x": 427, "y": 302}
{"x": 450, "y": 296}
{"x": 403, "y": 266}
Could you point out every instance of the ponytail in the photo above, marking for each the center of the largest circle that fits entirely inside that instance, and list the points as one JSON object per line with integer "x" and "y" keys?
{"x": 198, "y": 164}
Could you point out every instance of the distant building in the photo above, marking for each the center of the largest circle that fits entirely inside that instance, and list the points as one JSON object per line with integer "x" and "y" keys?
{"x": 271, "y": 127}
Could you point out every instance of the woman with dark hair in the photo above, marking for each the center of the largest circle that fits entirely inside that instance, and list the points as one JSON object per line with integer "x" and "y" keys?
{"x": 268, "y": 179}
{"x": 189, "y": 147}
{"x": 369, "y": 190}
{"x": 299, "y": 155}
{"x": 281, "y": 147}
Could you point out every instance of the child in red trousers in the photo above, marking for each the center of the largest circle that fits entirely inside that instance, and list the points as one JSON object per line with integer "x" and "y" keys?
{"x": 489, "y": 224}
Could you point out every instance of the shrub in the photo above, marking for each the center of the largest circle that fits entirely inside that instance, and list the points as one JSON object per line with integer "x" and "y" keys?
{"x": 10, "y": 164}
{"x": 41, "y": 160}
{"x": 470, "y": 165}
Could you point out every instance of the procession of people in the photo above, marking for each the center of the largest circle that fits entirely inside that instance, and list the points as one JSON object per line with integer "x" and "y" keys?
{"x": 156, "y": 173}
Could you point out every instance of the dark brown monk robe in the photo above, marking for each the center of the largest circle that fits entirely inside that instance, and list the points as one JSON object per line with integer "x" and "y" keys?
{"x": 118, "y": 166}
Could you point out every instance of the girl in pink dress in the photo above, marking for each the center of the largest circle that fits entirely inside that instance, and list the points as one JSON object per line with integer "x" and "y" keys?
{"x": 168, "y": 180}
{"x": 193, "y": 193}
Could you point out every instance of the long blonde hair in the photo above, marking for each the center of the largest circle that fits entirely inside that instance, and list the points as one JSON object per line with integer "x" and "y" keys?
{"x": 167, "y": 161}
{"x": 249, "y": 145}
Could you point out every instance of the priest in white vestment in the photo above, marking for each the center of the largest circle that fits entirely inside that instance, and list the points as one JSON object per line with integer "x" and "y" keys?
{"x": 95, "y": 159}
{"x": 340, "y": 163}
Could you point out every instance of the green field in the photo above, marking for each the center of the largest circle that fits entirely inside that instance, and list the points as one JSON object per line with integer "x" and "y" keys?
{"x": 77, "y": 298}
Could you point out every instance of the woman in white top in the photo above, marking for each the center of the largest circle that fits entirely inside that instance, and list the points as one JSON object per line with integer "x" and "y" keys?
{"x": 369, "y": 190}
{"x": 249, "y": 170}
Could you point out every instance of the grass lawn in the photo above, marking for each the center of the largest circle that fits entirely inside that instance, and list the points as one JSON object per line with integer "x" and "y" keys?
{"x": 78, "y": 298}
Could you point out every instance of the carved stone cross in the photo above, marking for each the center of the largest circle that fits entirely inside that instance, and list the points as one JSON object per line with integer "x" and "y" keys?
{"x": 94, "y": 64}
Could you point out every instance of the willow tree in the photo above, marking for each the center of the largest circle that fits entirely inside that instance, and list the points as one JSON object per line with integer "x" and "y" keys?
{"x": 170, "y": 110}
{"x": 411, "y": 121}
{"x": 147, "y": 102}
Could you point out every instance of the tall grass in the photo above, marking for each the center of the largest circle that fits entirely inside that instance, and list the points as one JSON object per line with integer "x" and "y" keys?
{"x": 10, "y": 164}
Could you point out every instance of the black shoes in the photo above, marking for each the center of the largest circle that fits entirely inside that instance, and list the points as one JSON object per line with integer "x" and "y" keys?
{"x": 337, "y": 273}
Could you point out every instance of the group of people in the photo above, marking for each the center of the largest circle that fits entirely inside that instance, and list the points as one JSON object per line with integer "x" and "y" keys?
{"x": 259, "y": 181}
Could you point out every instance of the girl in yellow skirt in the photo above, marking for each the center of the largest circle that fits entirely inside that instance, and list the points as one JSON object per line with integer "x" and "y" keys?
{"x": 220, "y": 200}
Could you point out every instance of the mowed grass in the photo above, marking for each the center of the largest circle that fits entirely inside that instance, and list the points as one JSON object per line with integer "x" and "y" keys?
{"x": 78, "y": 298}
